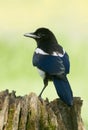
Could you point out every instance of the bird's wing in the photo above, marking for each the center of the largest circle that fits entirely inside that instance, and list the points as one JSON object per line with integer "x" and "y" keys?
{"x": 52, "y": 65}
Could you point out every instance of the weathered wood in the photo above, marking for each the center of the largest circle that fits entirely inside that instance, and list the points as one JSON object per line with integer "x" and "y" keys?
{"x": 31, "y": 113}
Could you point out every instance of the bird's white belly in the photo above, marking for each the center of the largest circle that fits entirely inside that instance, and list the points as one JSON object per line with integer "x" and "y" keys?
{"x": 41, "y": 73}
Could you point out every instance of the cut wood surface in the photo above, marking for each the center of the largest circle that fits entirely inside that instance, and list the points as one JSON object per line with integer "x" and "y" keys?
{"x": 31, "y": 113}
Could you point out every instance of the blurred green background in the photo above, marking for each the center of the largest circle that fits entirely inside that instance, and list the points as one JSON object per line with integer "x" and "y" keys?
{"x": 68, "y": 19}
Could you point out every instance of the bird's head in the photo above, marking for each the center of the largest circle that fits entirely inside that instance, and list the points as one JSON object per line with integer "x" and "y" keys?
{"x": 42, "y": 35}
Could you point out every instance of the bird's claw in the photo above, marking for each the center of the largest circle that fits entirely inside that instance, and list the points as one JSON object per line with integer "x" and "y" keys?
{"x": 40, "y": 98}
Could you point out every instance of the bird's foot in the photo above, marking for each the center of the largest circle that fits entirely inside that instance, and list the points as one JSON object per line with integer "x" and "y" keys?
{"x": 40, "y": 98}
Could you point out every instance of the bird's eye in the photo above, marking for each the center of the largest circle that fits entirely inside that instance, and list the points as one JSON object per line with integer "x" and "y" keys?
{"x": 41, "y": 35}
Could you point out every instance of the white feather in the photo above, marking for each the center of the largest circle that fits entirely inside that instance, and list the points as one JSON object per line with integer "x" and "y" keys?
{"x": 40, "y": 51}
{"x": 41, "y": 73}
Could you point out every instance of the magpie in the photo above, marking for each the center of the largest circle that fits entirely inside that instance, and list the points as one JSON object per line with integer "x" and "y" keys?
{"x": 52, "y": 62}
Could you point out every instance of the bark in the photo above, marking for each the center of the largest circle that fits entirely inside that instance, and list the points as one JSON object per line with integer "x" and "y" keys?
{"x": 31, "y": 113}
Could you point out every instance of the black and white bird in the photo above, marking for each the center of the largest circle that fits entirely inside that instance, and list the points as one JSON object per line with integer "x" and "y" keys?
{"x": 52, "y": 63}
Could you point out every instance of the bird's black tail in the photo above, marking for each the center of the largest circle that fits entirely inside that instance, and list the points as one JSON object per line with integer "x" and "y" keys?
{"x": 64, "y": 90}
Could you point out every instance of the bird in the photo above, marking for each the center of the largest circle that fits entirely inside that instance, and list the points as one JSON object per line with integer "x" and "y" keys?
{"x": 52, "y": 62}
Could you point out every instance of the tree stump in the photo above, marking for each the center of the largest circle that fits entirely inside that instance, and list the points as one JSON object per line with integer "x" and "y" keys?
{"x": 31, "y": 113}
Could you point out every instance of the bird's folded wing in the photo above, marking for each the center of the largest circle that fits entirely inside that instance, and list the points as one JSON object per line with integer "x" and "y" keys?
{"x": 52, "y": 65}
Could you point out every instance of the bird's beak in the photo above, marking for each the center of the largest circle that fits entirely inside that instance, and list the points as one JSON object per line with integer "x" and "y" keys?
{"x": 31, "y": 35}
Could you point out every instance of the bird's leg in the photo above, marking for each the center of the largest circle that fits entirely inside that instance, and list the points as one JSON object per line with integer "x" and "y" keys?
{"x": 42, "y": 91}
{"x": 45, "y": 85}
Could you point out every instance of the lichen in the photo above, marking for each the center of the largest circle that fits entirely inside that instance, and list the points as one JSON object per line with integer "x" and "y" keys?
{"x": 10, "y": 118}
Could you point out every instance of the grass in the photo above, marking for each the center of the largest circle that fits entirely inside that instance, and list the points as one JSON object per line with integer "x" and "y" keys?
{"x": 17, "y": 72}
